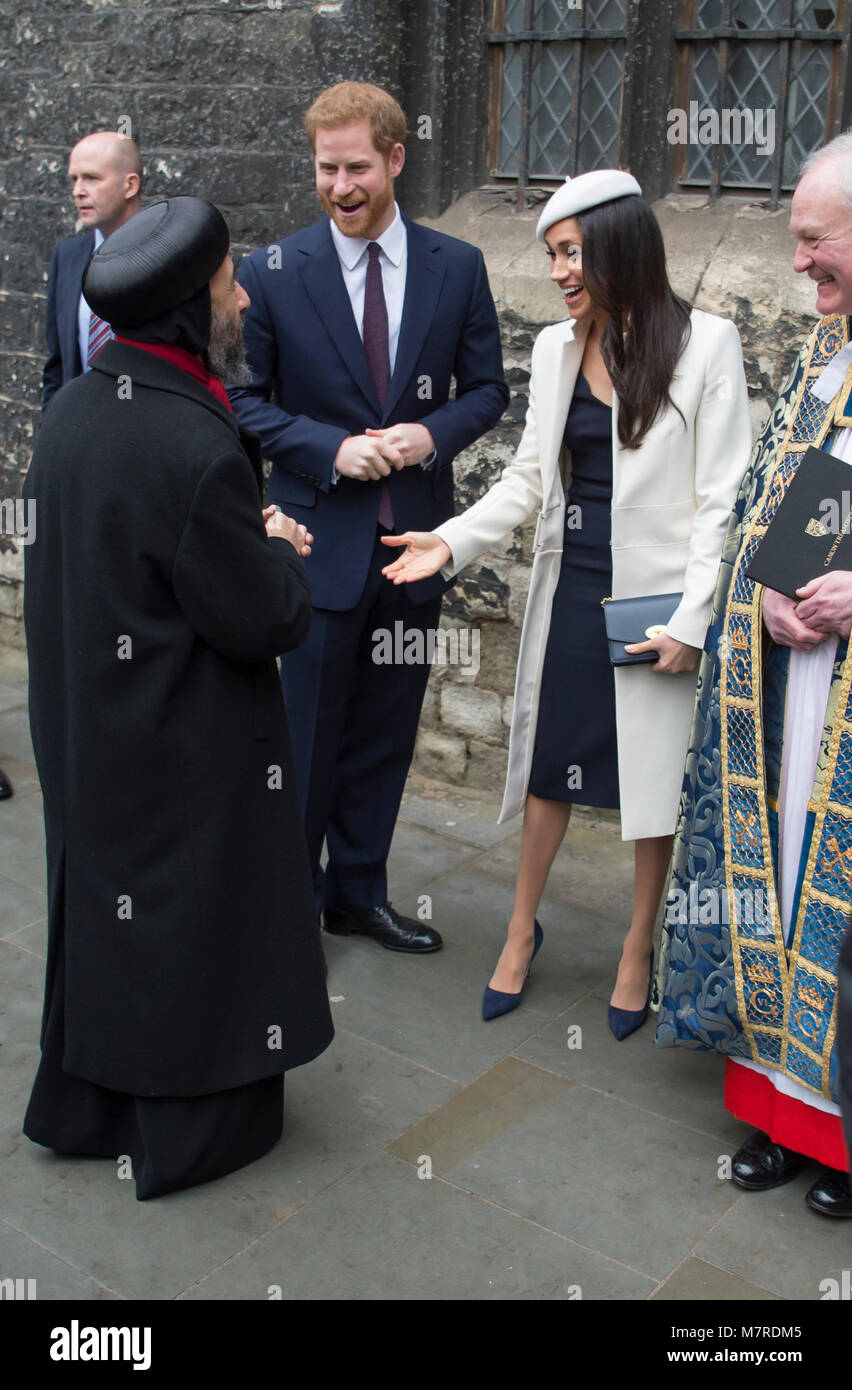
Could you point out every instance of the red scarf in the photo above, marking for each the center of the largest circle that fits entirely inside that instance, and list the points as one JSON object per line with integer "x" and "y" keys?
{"x": 179, "y": 357}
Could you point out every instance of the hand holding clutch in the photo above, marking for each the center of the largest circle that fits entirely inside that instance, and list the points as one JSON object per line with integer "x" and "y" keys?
{"x": 674, "y": 656}
{"x": 424, "y": 555}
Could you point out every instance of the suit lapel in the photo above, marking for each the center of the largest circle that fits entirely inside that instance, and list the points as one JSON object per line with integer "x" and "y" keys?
{"x": 78, "y": 258}
{"x": 424, "y": 277}
{"x": 323, "y": 281}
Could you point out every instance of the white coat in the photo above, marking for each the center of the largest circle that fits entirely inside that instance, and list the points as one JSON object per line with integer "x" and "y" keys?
{"x": 671, "y": 500}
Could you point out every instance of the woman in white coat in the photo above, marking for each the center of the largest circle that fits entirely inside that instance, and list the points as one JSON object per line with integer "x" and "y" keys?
{"x": 636, "y": 439}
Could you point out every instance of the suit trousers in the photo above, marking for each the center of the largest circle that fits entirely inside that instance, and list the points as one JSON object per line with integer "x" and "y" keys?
{"x": 353, "y": 722}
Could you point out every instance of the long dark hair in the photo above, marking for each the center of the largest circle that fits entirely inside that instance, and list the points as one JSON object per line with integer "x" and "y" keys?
{"x": 624, "y": 270}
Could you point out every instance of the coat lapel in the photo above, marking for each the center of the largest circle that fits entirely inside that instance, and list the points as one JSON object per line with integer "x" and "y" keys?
{"x": 116, "y": 359}
{"x": 323, "y": 281}
{"x": 553, "y": 404}
{"x": 424, "y": 277}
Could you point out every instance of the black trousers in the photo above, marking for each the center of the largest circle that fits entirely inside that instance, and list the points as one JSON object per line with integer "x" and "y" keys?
{"x": 353, "y": 722}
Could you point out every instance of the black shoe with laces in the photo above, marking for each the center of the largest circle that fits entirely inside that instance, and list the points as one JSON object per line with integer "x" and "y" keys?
{"x": 760, "y": 1164}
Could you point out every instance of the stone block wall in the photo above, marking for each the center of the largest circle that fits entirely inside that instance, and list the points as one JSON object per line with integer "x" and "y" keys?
{"x": 215, "y": 94}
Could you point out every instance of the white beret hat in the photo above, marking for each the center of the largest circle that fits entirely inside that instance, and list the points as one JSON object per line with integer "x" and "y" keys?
{"x": 584, "y": 192}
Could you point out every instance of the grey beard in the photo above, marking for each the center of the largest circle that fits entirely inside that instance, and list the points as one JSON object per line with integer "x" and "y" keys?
{"x": 226, "y": 356}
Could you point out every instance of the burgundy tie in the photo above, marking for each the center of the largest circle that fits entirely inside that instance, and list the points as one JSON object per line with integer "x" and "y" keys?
{"x": 378, "y": 353}
{"x": 99, "y": 334}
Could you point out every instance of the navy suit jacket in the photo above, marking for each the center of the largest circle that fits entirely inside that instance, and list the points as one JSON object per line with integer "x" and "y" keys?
{"x": 312, "y": 387}
{"x": 64, "y": 285}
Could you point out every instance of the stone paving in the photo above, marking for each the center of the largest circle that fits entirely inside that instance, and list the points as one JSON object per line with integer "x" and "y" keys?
{"x": 558, "y": 1171}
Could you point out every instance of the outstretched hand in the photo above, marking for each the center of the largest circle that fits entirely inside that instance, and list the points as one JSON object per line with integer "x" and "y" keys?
{"x": 424, "y": 554}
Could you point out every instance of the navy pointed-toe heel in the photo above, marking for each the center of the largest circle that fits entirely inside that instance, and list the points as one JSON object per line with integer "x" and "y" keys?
{"x": 495, "y": 1002}
{"x": 623, "y": 1022}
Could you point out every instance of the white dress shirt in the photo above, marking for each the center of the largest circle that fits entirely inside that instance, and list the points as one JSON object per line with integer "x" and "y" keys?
{"x": 393, "y": 259}
{"x": 84, "y": 313}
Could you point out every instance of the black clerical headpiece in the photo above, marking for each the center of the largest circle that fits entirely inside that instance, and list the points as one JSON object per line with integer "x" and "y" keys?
{"x": 149, "y": 279}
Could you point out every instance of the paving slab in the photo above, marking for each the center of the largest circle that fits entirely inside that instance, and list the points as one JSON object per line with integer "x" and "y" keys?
{"x": 605, "y": 1174}
{"x": 82, "y": 1212}
{"x": 383, "y": 1233}
{"x": 468, "y": 816}
{"x": 21, "y": 1258}
{"x": 20, "y": 906}
{"x": 697, "y": 1281}
{"x": 426, "y": 1008}
{"x": 430, "y": 1007}
{"x": 676, "y": 1082}
{"x": 13, "y": 678}
{"x": 773, "y": 1239}
{"x": 20, "y": 771}
{"x": 339, "y": 1110}
{"x": 15, "y": 743}
{"x": 22, "y": 839}
{"x": 420, "y": 856}
{"x": 21, "y": 994}
{"x": 477, "y": 1115}
{"x": 580, "y": 951}
{"x": 594, "y": 868}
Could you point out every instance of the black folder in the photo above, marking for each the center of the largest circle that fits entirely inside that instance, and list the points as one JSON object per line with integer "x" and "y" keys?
{"x": 809, "y": 534}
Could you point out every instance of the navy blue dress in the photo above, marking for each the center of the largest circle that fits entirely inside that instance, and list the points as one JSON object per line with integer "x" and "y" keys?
{"x": 575, "y": 755}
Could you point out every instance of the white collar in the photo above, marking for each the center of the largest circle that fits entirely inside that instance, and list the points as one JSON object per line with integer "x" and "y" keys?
{"x": 832, "y": 377}
{"x": 350, "y": 249}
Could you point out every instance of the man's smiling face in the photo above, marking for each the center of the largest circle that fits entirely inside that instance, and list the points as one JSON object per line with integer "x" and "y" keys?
{"x": 355, "y": 180}
{"x": 821, "y": 222}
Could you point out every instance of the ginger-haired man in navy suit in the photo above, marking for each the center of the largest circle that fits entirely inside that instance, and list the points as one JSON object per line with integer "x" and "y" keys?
{"x": 105, "y": 170}
{"x": 357, "y": 328}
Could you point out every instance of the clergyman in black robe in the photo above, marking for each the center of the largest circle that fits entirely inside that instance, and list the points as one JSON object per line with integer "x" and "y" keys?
{"x": 184, "y": 967}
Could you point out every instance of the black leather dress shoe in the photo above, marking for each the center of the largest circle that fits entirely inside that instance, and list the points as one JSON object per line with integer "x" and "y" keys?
{"x": 759, "y": 1164}
{"x": 384, "y": 925}
{"x": 831, "y": 1194}
{"x": 5, "y": 786}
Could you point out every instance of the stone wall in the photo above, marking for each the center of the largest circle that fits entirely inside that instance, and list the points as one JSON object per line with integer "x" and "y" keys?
{"x": 215, "y": 95}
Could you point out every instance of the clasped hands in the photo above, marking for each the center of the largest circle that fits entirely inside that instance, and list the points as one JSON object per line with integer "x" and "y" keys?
{"x": 371, "y": 455}
{"x": 286, "y": 529}
{"x": 823, "y": 607}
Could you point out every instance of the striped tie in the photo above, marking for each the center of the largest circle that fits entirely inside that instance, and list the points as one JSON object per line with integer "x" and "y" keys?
{"x": 99, "y": 334}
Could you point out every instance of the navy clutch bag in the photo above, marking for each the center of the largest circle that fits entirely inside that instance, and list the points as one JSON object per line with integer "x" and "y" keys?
{"x": 636, "y": 620}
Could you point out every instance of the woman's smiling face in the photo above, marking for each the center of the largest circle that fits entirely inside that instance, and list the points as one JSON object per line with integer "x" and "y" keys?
{"x": 564, "y": 241}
